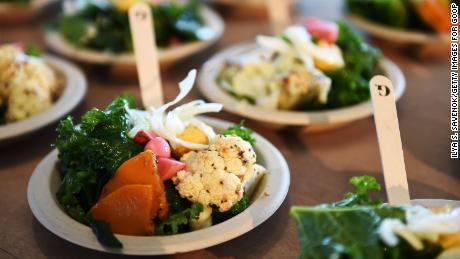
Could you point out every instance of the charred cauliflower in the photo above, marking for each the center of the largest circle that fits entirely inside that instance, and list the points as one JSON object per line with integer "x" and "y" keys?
{"x": 216, "y": 177}
{"x": 27, "y": 84}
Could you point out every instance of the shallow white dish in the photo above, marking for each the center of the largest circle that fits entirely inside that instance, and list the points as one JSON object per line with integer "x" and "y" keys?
{"x": 168, "y": 55}
{"x": 74, "y": 90}
{"x": 44, "y": 184}
{"x": 397, "y": 35}
{"x": 315, "y": 120}
{"x": 14, "y": 13}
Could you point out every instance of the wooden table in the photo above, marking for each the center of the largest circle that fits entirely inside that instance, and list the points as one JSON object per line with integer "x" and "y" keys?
{"x": 320, "y": 164}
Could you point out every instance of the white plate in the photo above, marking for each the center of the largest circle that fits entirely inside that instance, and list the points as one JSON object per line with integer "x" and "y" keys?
{"x": 168, "y": 55}
{"x": 13, "y": 13}
{"x": 73, "y": 92}
{"x": 315, "y": 120}
{"x": 44, "y": 184}
{"x": 435, "y": 203}
{"x": 397, "y": 35}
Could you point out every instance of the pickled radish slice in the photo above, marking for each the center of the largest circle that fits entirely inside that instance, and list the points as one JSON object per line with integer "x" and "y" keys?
{"x": 168, "y": 168}
{"x": 324, "y": 30}
{"x": 159, "y": 146}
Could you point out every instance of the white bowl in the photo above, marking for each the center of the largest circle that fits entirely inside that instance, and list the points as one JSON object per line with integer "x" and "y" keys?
{"x": 72, "y": 94}
{"x": 168, "y": 55}
{"x": 315, "y": 120}
{"x": 271, "y": 192}
{"x": 16, "y": 13}
{"x": 398, "y": 35}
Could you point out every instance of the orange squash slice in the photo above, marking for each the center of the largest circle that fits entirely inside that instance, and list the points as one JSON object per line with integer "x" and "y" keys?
{"x": 127, "y": 210}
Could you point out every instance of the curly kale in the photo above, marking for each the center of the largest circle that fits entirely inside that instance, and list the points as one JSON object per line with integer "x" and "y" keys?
{"x": 241, "y": 131}
{"x": 174, "y": 23}
{"x": 181, "y": 211}
{"x": 239, "y": 207}
{"x": 89, "y": 155}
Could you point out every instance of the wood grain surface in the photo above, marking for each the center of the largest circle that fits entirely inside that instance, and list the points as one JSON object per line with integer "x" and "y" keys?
{"x": 320, "y": 164}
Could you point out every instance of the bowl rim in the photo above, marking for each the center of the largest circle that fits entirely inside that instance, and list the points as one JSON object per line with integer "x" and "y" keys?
{"x": 60, "y": 45}
{"x": 209, "y": 88}
{"x": 395, "y": 34}
{"x": 46, "y": 210}
{"x": 74, "y": 91}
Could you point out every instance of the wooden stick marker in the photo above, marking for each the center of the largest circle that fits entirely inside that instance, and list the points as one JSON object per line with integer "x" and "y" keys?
{"x": 146, "y": 53}
{"x": 389, "y": 137}
{"x": 279, "y": 13}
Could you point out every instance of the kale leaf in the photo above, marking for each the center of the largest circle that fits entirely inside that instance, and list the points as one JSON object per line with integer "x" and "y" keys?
{"x": 241, "y": 131}
{"x": 240, "y": 206}
{"x": 179, "y": 222}
{"x": 90, "y": 153}
{"x": 350, "y": 85}
{"x": 106, "y": 28}
{"x": 362, "y": 184}
{"x": 180, "y": 212}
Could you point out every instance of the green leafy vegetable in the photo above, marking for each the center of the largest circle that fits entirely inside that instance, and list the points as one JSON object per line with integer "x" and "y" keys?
{"x": 89, "y": 154}
{"x": 33, "y": 50}
{"x": 107, "y": 28}
{"x": 394, "y": 13}
{"x": 180, "y": 212}
{"x": 104, "y": 234}
{"x": 362, "y": 184}
{"x": 349, "y": 228}
{"x": 19, "y": 2}
{"x": 178, "y": 223}
{"x": 241, "y": 131}
{"x": 239, "y": 207}
{"x": 350, "y": 85}
{"x": 341, "y": 232}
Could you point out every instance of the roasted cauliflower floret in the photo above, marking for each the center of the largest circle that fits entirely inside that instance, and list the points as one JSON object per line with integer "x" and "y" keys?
{"x": 27, "y": 84}
{"x": 215, "y": 176}
{"x": 237, "y": 153}
{"x": 252, "y": 178}
{"x": 207, "y": 185}
{"x": 26, "y": 99}
{"x": 302, "y": 86}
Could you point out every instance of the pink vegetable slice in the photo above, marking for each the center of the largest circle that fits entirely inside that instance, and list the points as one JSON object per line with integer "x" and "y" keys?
{"x": 159, "y": 146}
{"x": 323, "y": 30}
{"x": 168, "y": 168}
{"x": 143, "y": 137}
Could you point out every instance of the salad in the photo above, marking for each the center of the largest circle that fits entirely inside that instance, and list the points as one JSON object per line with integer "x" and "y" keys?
{"x": 359, "y": 226}
{"x": 431, "y": 16}
{"x": 322, "y": 65}
{"x": 103, "y": 25}
{"x": 159, "y": 171}
{"x": 17, "y": 2}
{"x": 28, "y": 85}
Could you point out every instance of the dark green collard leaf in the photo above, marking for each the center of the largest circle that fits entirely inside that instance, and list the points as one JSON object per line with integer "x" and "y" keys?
{"x": 240, "y": 206}
{"x": 241, "y": 131}
{"x": 179, "y": 222}
{"x": 348, "y": 228}
{"x": 104, "y": 234}
{"x": 341, "y": 232}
